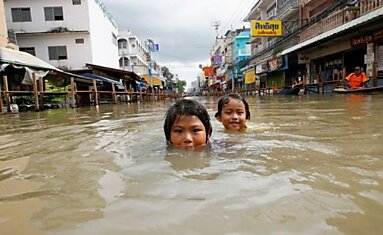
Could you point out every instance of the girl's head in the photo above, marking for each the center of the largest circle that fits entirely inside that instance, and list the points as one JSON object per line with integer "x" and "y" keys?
{"x": 233, "y": 112}
{"x": 187, "y": 124}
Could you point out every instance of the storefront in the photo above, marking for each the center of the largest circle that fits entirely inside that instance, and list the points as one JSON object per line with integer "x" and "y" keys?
{"x": 261, "y": 71}
{"x": 276, "y": 75}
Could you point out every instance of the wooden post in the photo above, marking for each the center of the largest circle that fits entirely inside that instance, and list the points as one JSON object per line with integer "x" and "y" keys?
{"x": 95, "y": 93}
{"x": 114, "y": 94}
{"x": 35, "y": 92}
{"x": 72, "y": 92}
{"x": 7, "y": 99}
{"x": 41, "y": 89}
{"x": 374, "y": 75}
{"x": 126, "y": 92}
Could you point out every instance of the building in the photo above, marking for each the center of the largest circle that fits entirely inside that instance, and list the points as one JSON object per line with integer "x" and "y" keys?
{"x": 337, "y": 36}
{"x": 133, "y": 55}
{"x": 65, "y": 33}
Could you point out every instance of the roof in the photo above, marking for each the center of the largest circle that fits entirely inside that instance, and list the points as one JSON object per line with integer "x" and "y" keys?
{"x": 10, "y": 56}
{"x": 116, "y": 73}
{"x": 100, "y": 78}
{"x": 349, "y": 25}
{"x": 19, "y": 58}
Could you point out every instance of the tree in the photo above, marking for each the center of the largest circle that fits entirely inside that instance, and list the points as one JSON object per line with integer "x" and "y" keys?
{"x": 170, "y": 84}
{"x": 181, "y": 85}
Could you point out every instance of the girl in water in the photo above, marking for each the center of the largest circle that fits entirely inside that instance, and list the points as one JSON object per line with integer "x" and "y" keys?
{"x": 233, "y": 112}
{"x": 187, "y": 125}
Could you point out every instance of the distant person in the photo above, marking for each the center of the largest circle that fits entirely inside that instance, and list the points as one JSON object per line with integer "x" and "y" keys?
{"x": 298, "y": 80}
{"x": 357, "y": 79}
{"x": 187, "y": 125}
{"x": 233, "y": 112}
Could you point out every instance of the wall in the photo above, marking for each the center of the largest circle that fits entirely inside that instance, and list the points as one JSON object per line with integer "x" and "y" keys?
{"x": 3, "y": 27}
{"x": 78, "y": 54}
{"x": 72, "y": 14}
{"x": 104, "y": 46}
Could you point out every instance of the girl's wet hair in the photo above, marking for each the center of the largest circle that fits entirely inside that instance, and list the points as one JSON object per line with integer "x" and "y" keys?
{"x": 226, "y": 99}
{"x": 186, "y": 107}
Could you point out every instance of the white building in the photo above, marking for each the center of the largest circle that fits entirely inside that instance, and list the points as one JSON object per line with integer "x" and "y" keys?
{"x": 133, "y": 55}
{"x": 65, "y": 33}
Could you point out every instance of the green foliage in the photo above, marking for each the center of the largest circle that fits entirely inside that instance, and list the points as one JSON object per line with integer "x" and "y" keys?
{"x": 181, "y": 85}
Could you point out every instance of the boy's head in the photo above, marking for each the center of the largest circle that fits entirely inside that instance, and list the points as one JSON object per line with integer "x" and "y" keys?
{"x": 233, "y": 111}
{"x": 187, "y": 124}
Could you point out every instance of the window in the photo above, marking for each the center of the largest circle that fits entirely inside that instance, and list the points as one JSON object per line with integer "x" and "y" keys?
{"x": 122, "y": 44}
{"x": 30, "y": 50}
{"x": 76, "y": 2}
{"x": 79, "y": 41}
{"x": 57, "y": 53}
{"x": 21, "y": 15}
{"x": 53, "y": 13}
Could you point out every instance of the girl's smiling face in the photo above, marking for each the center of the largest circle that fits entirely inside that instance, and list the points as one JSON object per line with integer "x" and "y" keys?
{"x": 188, "y": 132}
{"x": 233, "y": 115}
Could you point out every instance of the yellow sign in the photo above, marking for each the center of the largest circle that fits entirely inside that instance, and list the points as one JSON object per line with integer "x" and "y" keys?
{"x": 266, "y": 28}
{"x": 250, "y": 77}
{"x": 156, "y": 81}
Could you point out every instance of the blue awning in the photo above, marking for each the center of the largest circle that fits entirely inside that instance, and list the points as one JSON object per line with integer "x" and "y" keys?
{"x": 100, "y": 78}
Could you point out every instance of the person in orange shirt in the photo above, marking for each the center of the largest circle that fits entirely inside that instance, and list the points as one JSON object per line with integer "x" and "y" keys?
{"x": 356, "y": 79}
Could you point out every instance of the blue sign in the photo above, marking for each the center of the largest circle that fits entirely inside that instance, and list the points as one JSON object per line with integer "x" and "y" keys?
{"x": 154, "y": 47}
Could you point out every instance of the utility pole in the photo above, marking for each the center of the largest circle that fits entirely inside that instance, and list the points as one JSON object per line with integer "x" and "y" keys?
{"x": 216, "y": 25}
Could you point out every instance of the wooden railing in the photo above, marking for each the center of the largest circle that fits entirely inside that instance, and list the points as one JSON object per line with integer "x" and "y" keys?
{"x": 369, "y": 5}
{"x": 330, "y": 22}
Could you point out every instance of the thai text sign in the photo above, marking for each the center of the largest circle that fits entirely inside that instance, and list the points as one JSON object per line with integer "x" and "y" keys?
{"x": 266, "y": 28}
{"x": 366, "y": 39}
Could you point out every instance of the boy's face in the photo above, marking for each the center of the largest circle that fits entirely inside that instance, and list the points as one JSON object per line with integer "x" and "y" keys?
{"x": 233, "y": 115}
{"x": 188, "y": 132}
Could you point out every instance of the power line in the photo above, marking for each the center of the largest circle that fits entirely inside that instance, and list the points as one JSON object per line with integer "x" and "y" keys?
{"x": 239, "y": 12}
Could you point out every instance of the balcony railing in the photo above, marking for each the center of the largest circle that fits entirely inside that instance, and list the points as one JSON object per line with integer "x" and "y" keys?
{"x": 287, "y": 6}
{"x": 332, "y": 21}
{"x": 369, "y": 5}
{"x": 12, "y": 37}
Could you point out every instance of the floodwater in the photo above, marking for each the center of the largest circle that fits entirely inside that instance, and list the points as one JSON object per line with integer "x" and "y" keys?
{"x": 307, "y": 165}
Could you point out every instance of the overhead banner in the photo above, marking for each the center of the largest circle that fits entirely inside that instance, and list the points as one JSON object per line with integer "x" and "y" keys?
{"x": 266, "y": 28}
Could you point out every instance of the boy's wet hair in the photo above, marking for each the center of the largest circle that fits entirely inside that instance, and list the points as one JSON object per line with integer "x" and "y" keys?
{"x": 186, "y": 107}
{"x": 226, "y": 99}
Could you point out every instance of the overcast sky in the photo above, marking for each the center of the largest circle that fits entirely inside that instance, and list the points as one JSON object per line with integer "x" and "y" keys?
{"x": 182, "y": 28}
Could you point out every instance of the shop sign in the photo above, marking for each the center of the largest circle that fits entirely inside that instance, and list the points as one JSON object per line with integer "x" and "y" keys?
{"x": 261, "y": 68}
{"x": 275, "y": 64}
{"x": 266, "y": 28}
{"x": 366, "y": 39}
{"x": 303, "y": 59}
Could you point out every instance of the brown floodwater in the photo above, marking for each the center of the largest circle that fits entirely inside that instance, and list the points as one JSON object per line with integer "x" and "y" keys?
{"x": 307, "y": 165}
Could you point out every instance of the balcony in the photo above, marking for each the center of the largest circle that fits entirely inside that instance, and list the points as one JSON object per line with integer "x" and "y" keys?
{"x": 287, "y": 9}
{"x": 330, "y": 22}
{"x": 11, "y": 37}
{"x": 369, "y": 5}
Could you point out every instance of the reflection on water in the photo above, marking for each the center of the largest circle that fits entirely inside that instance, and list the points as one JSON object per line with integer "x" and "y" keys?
{"x": 306, "y": 165}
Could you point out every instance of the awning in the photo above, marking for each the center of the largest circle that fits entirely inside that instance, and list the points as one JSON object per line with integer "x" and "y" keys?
{"x": 9, "y": 56}
{"x": 112, "y": 72}
{"x": 349, "y": 25}
{"x": 103, "y": 79}
{"x": 20, "y": 59}
{"x": 157, "y": 81}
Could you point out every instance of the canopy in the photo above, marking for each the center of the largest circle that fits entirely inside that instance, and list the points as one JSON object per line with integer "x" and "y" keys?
{"x": 103, "y": 79}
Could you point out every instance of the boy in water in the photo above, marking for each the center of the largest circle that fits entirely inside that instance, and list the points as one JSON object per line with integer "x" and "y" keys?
{"x": 187, "y": 125}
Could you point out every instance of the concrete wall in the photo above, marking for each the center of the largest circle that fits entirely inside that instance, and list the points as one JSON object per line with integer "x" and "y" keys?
{"x": 103, "y": 35}
{"x": 3, "y": 27}
{"x": 91, "y": 18}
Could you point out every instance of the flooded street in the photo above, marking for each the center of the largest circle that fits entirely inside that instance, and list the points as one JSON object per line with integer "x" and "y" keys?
{"x": 306, "y": 165}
